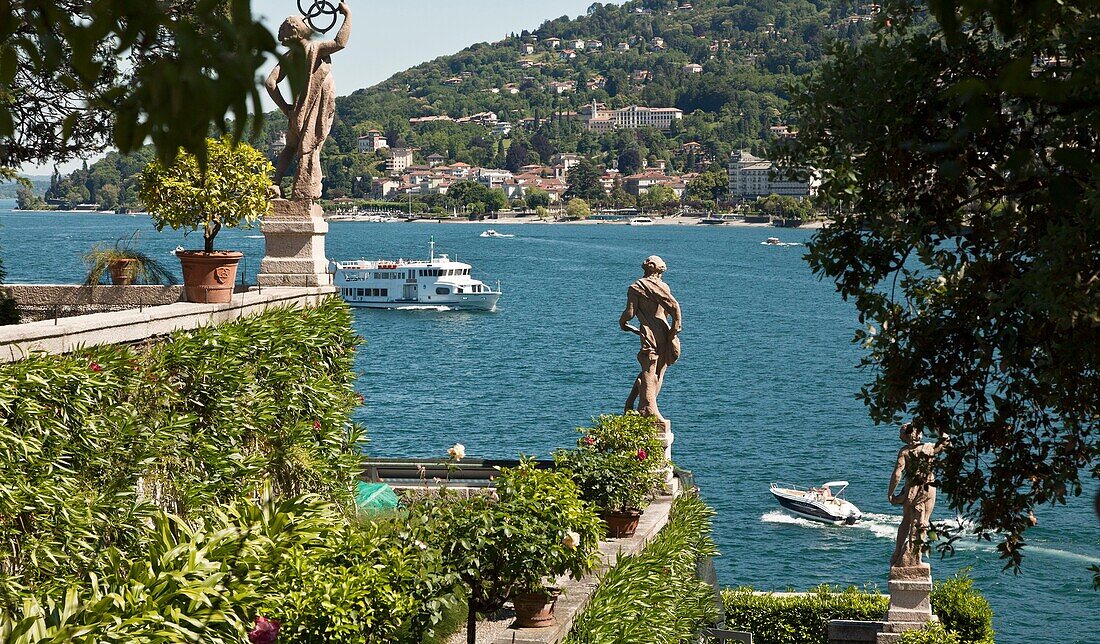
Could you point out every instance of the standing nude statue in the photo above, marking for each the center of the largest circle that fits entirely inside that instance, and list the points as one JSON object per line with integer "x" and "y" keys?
{"x": 917, "y": 497}
{"x": 650, "y": 300}
{"x": 310, "y": 118}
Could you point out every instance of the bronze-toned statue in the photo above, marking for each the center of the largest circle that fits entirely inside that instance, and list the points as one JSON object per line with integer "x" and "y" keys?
{"x": 651, "y": 302}
{"x": 917, "y": 497}
{"x": 310, "y": 118}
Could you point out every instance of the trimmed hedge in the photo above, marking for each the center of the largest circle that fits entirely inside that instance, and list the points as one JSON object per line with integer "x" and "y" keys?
{"x": 801, "y": 619}
{"x": 773, "y": 619}
{"x": 654, "y": 596}
{"x": 98, "y": 442}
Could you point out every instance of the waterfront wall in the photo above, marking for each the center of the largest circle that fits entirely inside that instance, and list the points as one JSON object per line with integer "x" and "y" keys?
{"x": 63, "y": 335}
{"x": 53, "y": 301}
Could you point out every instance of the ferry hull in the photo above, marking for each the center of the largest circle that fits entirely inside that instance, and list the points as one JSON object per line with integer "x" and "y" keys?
{"x": 471, "y": 302}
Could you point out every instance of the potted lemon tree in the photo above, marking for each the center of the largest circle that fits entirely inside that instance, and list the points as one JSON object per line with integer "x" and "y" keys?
{"x": 230, "y": 191}
{"x": 618, "y": 464}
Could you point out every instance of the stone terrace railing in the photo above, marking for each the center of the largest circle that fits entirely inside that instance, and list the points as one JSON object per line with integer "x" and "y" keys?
{"x": 64, "y": 335}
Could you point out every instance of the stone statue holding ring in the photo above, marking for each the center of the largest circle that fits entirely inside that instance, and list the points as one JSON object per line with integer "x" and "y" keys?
{"x": 310, "y": 117}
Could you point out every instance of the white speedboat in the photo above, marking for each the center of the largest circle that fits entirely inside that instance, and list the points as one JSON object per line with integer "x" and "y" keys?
{"x": 437, "y": 283}
{"x": 641, "y": 221}
{"x": 772, "y": 241}
{"x": 823, "y": 503}
{"x": 493, "y": 233}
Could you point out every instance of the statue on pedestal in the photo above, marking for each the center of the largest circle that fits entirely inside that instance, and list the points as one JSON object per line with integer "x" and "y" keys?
{"x": 650, "y": 301}
{"x": 310, "y": 117}
{"x": 917, "y": 497}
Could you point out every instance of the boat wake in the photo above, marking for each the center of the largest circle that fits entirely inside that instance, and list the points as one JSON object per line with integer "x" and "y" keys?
{"x": 879, "y": 525}
{"x": 253, "y": 236}
{"x": 764, "y": 243}
{"x": 417, "y": 307}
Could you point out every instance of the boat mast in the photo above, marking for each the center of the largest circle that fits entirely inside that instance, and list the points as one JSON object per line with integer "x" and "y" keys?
{"x": 431, "y": 249}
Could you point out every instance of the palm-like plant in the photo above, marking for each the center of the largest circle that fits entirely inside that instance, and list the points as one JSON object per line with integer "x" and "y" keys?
{"x": 125, "y": 265}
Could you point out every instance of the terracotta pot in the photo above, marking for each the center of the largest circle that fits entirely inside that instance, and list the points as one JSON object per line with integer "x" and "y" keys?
{"x": 621, "y": 523}
{"x": 123, "y": 271}
{"x": 535, "y": 610}
{"x": 208, "y": 278}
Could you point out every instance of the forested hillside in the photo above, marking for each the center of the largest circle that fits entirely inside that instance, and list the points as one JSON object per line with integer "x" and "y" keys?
{"x": 749, "y": 52}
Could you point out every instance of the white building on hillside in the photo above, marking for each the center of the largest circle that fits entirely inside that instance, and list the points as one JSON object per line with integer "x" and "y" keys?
{"x": 749, "y": 178}
{"x": 598, "y": 118}
{"x": 400, "y": 158}
{"x": 372, "y": 141}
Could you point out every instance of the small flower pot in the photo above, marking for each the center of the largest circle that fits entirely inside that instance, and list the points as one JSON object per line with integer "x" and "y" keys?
{"x": 208, "y": 278}
{"x": 535, "y": 610}
{"x": 621, "y": 523}
{"x": 123, "y": 271}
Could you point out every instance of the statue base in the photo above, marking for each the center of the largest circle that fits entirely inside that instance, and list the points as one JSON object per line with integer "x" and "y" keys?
{"x": 667, "y": 437}
{"x": 910, "y": 607}
{"x": 294, "y": 241}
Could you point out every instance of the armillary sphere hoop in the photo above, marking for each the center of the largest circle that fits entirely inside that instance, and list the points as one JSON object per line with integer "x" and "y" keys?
{"x": 321, "y": 11}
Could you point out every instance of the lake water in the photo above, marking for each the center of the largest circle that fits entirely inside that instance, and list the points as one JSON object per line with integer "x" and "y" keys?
{"x": 764, "y": 390}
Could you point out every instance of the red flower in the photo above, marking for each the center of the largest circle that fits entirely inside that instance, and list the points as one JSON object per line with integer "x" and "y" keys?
{"x": 588, "y": 440}
{"x": 94, "y": 366}
{"x": 361, "y": 399}
{"x": 641, "y": 455}
{"x": 266, "y": 631}
{"x": 316, "y": 425}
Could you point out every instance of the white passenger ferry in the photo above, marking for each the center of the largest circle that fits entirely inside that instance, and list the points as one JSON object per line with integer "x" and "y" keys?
{"x": 405, "y": 283}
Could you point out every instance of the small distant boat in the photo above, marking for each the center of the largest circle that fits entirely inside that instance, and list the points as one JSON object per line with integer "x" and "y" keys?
{"x": 641, "y": 221}
{"x": 772, "y": 241}
{"x": 493, "y": 233}
{"x": 818, "y": 503}
{"x": 437, "y": 283}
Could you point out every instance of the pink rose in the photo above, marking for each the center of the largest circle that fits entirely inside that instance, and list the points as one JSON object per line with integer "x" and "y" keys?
{"x": 94, "y": 366}
{"x": 316, "y": 424}
{"x": 641, "y": 455}
{"x": 588, "y": 440}
{"x": 266, "y": 631}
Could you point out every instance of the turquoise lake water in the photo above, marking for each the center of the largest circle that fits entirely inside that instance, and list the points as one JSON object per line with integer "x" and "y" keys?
{"x": 764, "y": 390}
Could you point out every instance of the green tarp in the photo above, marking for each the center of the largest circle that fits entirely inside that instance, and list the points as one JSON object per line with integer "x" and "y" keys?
{"x": 372, "y": 498}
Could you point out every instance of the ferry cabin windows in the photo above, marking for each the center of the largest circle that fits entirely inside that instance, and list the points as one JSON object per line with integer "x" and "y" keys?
{"x": 387, "y": 275}
{"x": 365, "y": 292}
{"x": 443, "y": 272}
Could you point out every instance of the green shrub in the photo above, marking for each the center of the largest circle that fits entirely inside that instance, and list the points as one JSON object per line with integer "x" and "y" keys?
{"x": 98, "y": 441}
{"x": 373, "y": 582}
{"x": 654, "y": 596}
{"x": 617, "y": 462}
{"x": 514, "y": 543}
{"x": 932, "y": 633}
{"x": 963, "y": 610}
{"x": 189, "y": 584}
{"x": 790, "y": 619}
{"x": 775, "y": 619}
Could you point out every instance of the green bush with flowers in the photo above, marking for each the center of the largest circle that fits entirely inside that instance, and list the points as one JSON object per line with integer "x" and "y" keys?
{"x": 618, "y": 462}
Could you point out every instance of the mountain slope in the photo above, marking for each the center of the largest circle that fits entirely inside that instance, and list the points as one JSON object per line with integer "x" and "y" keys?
{"x": 749, "y": 52}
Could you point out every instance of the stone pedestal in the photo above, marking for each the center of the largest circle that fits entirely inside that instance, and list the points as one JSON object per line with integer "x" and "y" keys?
{"x": 910, "y": 608}
{"x": 667, "y": 437}
{"x": 294, "y": 241}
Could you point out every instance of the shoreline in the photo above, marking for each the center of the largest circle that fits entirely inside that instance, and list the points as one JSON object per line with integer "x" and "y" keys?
{"x": 509, "y": 220}
{"x": 666, "y": 221}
